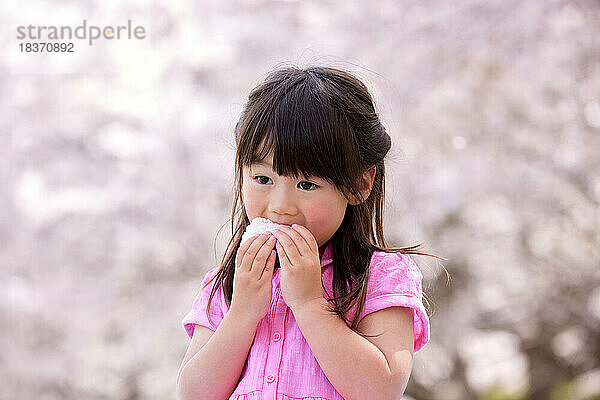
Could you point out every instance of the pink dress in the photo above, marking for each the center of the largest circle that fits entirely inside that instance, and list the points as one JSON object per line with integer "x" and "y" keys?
{"x": 280, "y": 364}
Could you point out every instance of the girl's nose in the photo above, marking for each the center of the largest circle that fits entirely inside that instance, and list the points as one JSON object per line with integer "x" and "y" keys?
{"x": 282, "y": 202}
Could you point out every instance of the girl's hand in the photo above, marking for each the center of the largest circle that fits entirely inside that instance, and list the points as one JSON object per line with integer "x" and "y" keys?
{"x": 252, "y": 281}
{"x": 300, "y": 277}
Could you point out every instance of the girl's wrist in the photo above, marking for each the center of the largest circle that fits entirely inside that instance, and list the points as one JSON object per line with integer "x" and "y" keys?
{"x": 242, "y": 317}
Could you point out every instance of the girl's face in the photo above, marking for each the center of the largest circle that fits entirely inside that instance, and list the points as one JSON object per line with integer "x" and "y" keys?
{"x": 314, "y": 203}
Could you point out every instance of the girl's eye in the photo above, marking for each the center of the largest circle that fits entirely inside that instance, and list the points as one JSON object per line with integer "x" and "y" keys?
{"x": 309, "y": 183}
{"x": 260, "y": 179}
{"x": 304, "y": 185}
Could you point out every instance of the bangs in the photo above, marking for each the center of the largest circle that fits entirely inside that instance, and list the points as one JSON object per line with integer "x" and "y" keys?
{"x": 297, "y": 123}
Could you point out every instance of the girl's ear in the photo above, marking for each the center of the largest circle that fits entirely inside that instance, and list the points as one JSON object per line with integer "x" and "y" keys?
{"x": 366, "y": 184}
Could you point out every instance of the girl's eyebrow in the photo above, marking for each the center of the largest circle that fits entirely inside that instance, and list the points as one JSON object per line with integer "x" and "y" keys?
{"x": 258, "y": 164}
{"x": 263, "y": 162}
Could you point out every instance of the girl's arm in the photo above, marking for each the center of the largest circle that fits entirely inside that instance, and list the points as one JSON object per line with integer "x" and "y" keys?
{"x": 355, "y": 366}
{"x": 214, "y": 371}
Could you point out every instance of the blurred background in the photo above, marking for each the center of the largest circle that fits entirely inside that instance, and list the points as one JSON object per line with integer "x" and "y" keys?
{"x": 117, "y": 171}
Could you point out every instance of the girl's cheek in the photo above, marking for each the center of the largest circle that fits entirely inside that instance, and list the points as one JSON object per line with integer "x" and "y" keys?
{"x": 319, "y": 214}
{"x": 317, "y": 221}
{"x": 253, "y": 203}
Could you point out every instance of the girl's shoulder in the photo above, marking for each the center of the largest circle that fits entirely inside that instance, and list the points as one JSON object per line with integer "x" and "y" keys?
{"x": 210, "y": 273}
{"x": 395, "y": 280}
{"x": 391, "y": 260}
{"x": 393, "y": 266}
{"x": 209, "y": 280}
{"x": 200, "y": 307}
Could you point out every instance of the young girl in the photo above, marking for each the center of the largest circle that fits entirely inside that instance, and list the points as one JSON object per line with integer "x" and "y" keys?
{"x": 343, "y": 315}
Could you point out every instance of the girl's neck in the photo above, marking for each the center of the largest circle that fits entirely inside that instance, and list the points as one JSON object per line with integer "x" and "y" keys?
{"x": 322, "y": 249}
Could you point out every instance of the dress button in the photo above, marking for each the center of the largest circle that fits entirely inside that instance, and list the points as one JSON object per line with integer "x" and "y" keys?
{"x": 270, "y": 378}
{"x": 276, "y": 337}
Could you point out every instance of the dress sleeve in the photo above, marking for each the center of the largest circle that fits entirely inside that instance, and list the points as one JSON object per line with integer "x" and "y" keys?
{"x": 197, "y": 314}
{"x": 395, "y": 280}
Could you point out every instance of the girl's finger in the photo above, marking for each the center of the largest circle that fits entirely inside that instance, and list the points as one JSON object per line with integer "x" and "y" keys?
{"x": 261, "y": 257}
{"x": 283, "y": 258}
{"x": 252, "y": 251}
{"x": 289, "y": 244}
{"x": 308, "y": 237}
{"x": 269, "y": 266}
{"x": 242, "y": 250}
{"x": 301, "y": 243}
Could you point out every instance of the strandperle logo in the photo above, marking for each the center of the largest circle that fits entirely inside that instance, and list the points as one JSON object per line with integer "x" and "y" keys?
{"x": 91, "y": 32}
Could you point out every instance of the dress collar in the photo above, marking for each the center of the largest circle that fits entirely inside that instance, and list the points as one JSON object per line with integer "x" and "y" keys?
{"x": 327, "y": 257}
